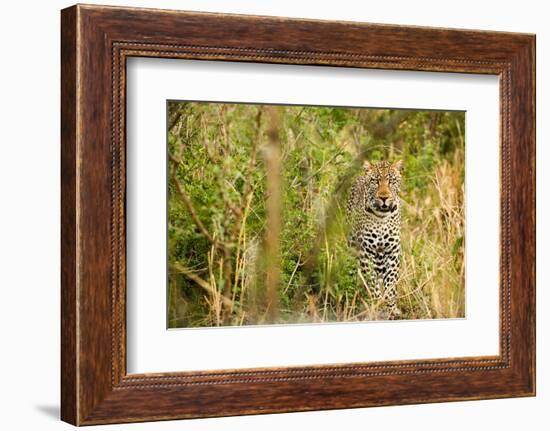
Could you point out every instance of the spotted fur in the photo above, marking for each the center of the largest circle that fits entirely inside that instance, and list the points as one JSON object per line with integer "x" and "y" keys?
{"x": 375, "y": 216}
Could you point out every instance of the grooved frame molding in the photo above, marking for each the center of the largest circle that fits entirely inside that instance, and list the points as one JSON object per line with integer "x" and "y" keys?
{"x": 95, "y": 43}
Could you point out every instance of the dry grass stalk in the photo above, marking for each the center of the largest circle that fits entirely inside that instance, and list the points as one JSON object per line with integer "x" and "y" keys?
{"x": 272, "y": 156}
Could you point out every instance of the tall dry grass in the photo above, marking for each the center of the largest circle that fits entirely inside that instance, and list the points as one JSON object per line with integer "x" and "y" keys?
{"x": 432, "y": 276}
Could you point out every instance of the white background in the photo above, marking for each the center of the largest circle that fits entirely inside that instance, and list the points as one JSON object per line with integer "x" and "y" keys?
{"x": 151, "y": 348}
{"x": 29, "y": 216}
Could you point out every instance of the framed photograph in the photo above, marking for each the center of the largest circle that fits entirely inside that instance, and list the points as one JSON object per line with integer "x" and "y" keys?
{"x": 266, "y": 215}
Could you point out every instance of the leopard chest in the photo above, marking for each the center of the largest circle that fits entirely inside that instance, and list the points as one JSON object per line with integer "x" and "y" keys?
{"x": 379, "y": 237}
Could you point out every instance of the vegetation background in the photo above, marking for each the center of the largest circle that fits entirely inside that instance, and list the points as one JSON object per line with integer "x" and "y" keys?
{"x": 256, "y": 212}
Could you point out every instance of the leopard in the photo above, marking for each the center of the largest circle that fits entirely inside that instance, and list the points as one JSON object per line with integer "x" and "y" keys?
{"x": 374, "y": 214}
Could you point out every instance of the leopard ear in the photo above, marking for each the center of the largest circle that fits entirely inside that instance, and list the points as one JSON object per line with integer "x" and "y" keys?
{"x": 398, "y": 165}
{"x": 367, "y": 166}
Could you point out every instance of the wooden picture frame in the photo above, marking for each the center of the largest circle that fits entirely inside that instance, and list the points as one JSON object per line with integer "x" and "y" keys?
{"x": 95, "y": 43}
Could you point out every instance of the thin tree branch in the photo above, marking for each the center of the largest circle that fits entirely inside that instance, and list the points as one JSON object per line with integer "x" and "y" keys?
{"x": 178, "y": 268}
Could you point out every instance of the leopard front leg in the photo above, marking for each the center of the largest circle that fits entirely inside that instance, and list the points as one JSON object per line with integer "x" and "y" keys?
{"x": 391, "y": 276}
{"x": 370, "y": 278}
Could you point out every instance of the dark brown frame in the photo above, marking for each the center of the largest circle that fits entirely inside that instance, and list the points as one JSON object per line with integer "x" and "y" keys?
{"x": 95, "y": 43}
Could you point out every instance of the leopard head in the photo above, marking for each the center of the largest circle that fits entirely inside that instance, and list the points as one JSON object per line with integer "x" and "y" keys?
{"x": 383, "y": 186}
